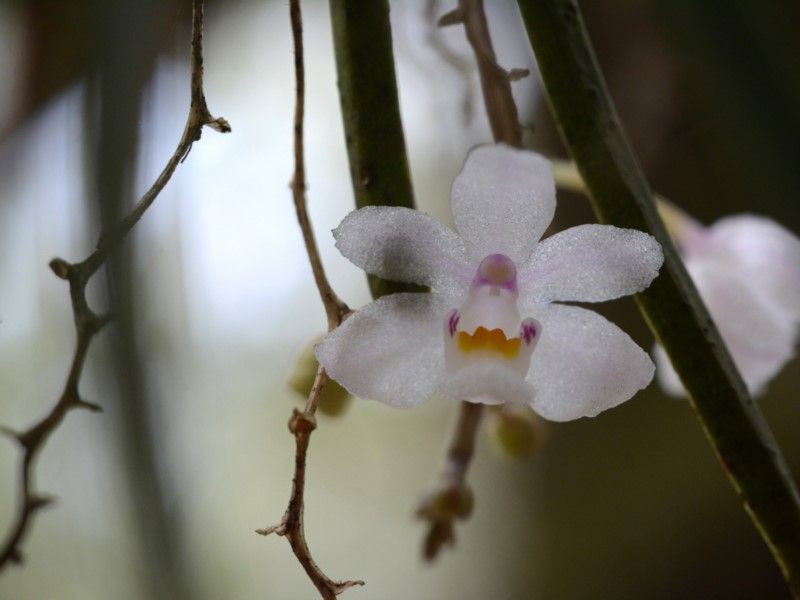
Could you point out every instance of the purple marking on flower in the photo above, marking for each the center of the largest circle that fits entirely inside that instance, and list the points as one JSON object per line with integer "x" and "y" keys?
{"x": 529, "y": 330}
{"x": 496, "y": 270}
{"x": 452, "y": 321}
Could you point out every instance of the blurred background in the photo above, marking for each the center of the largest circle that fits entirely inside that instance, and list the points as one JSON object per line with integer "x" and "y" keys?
{"x": 159, "y": 495}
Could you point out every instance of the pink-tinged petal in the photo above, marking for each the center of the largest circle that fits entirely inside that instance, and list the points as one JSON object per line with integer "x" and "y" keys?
{"x": 591, "y": 263}
{"x": 764, "y": 252}
{"x": 759, "y": 337}
{"x": 406, "y": 245}
{"x": 488, "y": 382}
{"x": 391, "y": 350}
{"x": 666, "y": 375}
{"x": 503, "y": 200}
{"x": 583, "y": 363}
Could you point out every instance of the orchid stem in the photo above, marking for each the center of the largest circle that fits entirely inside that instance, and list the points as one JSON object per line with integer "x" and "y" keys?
{"x": 621, "y": 196}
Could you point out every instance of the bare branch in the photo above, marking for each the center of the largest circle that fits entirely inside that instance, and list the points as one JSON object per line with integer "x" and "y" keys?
{"x": 302, "y": 423}
{"x": 291, "y": 525}
{"x": 462, "y": 66}
{"x": 334, "y": 307}
{"x": 87, "y": 322}
{"x": 451, "y": 498}
{"x": 495, "y": 80}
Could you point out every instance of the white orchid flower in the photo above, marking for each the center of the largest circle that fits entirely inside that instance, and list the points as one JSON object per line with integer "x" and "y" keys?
{"x": 492, "y": 330}
{"x": 747, "y": 271}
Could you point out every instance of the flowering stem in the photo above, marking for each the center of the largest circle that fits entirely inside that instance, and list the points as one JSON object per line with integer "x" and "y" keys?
{"x": 451, "y": 498}
{"x": 362, "y": 40}
{"x": 621, "y": 196}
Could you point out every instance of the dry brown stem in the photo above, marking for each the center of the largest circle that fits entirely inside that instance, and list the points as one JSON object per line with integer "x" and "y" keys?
{"x": 495, "y": 80}
{"x": 87, "y": 322}
{"x": 451, "y": 498}
{"x": 302, "y": 423}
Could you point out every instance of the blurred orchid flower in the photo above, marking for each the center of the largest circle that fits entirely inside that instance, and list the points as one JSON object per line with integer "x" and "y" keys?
{"x": 491, "y": 331}
{"x": 747, "y": 271}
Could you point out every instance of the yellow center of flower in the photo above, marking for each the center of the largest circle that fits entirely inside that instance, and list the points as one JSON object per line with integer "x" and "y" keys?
{"x": 493, "y": 341}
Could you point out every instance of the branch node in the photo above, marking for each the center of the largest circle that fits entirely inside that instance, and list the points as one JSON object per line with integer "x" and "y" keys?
{"x": 86, "y": 405}
{"x": 454, "y": 17}
{"x": 449, "y": 501}
{"x": 11, "y": 434}
{"x": 38, "y": 502}
{"x": 341, "y": 586}
{"x": 279, "y": 529}
{"x": 219, "y": 124}
{"x": 517, "y": 74}
{"x": 302, "y": 423}
{"x": 95, "y": 323}
{"x": 61, "y": 268}
{"x": 440, "y": 534}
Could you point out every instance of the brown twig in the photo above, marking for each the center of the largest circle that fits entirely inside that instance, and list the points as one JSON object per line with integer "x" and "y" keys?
{"x": 334, "y": 307}
{"x": 451, "y": 498}
{"x": 495, "y": 80}
{"x": 302, "y": 423}
{"x": 462, "y": 66}
{"x": 87, "y": 322}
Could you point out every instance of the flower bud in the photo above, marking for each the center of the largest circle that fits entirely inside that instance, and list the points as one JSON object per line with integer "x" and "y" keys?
{"x": 516, "y": 431}
{"x": 334, "y": 399}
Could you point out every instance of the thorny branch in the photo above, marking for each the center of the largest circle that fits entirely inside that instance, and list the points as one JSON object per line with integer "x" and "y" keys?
{"x": 452, "y": 498}
{"x": 87, "y": 322}
{"x": 302, "y": 423}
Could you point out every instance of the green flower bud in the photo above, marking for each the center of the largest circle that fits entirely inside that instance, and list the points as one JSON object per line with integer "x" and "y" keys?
{"x": 516, "y": 432}
{"x": 334, "y": 399}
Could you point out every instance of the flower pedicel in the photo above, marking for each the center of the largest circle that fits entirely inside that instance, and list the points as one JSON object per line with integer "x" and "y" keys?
{"x": 492, "y": 329}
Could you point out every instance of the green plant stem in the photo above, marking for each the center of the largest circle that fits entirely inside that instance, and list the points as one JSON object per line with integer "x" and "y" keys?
{"x": 362, "y": 39}
{"x": 621, "y": 196}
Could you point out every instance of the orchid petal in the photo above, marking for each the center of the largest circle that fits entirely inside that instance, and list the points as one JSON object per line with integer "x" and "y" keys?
{"x": 764, "y": 252}
{"x": 391, "y": 350}
{"x": 583, "y": 364}
{"x": 486, "y": 383}
{"x": 591, "y": 263}
{"x": 405, "y": 245}
{"x": 503, "y": 200}
{"x": 757, "y": 335}
{"x": 668, "y": 378}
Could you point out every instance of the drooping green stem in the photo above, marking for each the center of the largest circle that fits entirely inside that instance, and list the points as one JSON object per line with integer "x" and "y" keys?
{"x": 362, "y": 39}
{"x": 621, "y": 196}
